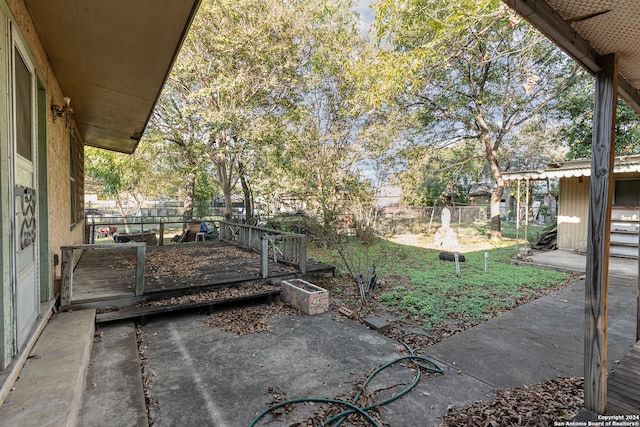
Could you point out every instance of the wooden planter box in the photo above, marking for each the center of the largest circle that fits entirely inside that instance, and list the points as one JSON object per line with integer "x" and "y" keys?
{"x": 305, "y": 296}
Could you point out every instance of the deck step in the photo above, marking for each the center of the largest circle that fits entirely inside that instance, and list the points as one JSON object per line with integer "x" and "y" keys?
{"x": 49, "y": 390}
{"x": 143, "y": 312}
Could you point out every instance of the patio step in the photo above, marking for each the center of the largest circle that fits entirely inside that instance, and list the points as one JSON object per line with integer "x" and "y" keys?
{"x": 49, "y": 389}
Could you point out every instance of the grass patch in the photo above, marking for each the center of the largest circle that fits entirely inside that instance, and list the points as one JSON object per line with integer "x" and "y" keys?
{"x": 430, "y": 290}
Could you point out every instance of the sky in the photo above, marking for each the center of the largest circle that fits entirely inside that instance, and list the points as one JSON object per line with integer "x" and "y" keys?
{"x": 365, "y": 11}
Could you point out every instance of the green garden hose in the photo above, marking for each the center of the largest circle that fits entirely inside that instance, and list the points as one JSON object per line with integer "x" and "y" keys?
{"x": 428, "y": 365}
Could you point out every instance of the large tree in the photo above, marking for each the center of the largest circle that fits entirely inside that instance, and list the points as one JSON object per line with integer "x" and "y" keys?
{"x": 575, "y": 117}
{"x": 236, "y": 71}
{"x": 476, "y": 72}
{"x": 127, "y": 179}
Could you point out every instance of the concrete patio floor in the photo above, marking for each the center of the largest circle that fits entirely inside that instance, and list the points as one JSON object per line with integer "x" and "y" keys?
{"x": 204, "y": 376}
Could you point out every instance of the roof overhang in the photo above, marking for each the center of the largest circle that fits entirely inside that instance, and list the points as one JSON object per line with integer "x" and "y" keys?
{"x": 574, "y": 168}
{"x": 587, "y": 30}
{"x": 112, "y": 59}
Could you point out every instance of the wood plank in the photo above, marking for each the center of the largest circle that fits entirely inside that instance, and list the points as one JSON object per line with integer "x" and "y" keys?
{"x": 622, "y": 399}
{"x": 625, "y": 388}
{"x": 616, "y": 408}
{"x": 599, "y": 224}
{"x": 134, "y": 312}
{"x": 624, "y": 374}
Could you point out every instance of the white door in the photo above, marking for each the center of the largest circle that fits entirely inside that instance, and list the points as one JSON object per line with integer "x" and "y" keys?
{"x": 25, "y": 222}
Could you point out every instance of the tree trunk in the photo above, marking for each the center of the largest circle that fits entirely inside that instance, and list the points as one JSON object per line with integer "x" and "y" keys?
{"x": 246, "y": 190}
{"x": 491, "y": 155}
{"x": 123, "y": 214}
{"x": 189, "y": 198}
{"x": 228, "y": 204}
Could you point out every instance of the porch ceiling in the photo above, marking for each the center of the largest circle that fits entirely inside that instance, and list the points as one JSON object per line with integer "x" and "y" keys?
{"x": 587, "y": 29}
{"x": 112, "y": 59}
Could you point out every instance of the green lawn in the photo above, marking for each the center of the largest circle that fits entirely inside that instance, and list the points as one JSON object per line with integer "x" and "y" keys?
{"x": 418, "y": 284}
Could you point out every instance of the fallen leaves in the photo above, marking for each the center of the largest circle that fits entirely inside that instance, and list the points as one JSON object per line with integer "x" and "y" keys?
{"x": 189, "y": 262}
{"x": 558, "y": 399}
{"x": 214, "y": 295}
{"x": 249, "y": 320}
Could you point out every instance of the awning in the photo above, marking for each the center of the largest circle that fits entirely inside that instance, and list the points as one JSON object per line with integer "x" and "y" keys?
{"x": 577, "y": 168}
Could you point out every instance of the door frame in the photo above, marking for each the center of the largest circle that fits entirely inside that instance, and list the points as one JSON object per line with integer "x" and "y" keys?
{"x": 22, "y": 328}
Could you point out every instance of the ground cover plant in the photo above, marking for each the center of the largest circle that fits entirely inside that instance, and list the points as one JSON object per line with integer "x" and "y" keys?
{"x": 415, "y": 284}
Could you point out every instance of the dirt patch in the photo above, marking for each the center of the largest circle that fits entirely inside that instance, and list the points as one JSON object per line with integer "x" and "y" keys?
{"x": 466, "y": 242}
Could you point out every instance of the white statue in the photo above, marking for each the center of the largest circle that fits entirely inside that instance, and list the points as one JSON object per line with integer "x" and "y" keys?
{"x": 445, "y": 236}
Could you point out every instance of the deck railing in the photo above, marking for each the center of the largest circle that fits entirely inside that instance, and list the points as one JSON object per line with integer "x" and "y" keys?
{"x": 280, "y": 246}
{"x": 68, "y": 264}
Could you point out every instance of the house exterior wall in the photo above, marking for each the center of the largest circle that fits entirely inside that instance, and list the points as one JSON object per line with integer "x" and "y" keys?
{"x": 52, "y": 170}
{"x": 58, "y": 153}
{"x": 573, "y": 213}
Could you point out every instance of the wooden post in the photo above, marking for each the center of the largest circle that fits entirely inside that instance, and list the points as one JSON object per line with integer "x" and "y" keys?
{"x": 597, "y": 268}
{"x": 302, "y": 255}
{"x": 140, "y": 256}
{"x": 264, "y": 257}
{"x": 433, "y": 210}
{"x": 66, "y": 286}
{"x": 161, "y": 233}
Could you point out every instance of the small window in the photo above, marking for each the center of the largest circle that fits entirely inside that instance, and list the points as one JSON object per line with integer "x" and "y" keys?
{"x": 627, "y": 192}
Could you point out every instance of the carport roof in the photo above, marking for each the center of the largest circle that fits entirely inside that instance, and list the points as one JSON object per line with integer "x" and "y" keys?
{"x": 112, "y": 59}
{"x": 574, "y": 168}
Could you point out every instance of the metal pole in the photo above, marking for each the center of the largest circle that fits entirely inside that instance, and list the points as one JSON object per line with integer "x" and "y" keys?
{"x": 518, "y": 218}
{"x": 526, "y": 219}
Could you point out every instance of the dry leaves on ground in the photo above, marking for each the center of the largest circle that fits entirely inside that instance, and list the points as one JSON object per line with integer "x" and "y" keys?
{"x": 558, "y": 399}
{"x": 190, "y": 261}
{"x": 219, "y": 294}
{"x": 249, "y": 320}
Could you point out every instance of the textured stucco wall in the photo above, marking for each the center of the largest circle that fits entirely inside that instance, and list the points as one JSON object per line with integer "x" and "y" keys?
{"x": 60, "y": 232}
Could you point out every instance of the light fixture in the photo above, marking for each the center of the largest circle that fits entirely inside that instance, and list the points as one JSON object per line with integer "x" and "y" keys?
{"x": 62, "y": 110}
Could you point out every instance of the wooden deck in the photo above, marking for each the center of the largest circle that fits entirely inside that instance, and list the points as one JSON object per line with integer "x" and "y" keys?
{"x": 623, "y": 385}
{"x": 107, "y": 278}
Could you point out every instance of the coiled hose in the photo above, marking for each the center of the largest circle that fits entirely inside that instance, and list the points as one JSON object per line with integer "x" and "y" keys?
{"x": 426, "y": 364}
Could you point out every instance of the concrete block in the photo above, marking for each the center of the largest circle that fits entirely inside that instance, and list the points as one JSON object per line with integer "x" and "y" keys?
{"x": 309, "y": 298}
{"x": 377, "y": 323}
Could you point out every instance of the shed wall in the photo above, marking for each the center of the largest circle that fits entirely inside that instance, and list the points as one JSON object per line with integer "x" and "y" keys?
{"x": 573, "y": 213}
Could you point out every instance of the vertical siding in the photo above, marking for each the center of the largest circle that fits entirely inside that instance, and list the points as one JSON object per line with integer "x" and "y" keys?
{"x": 573, "y": 213}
